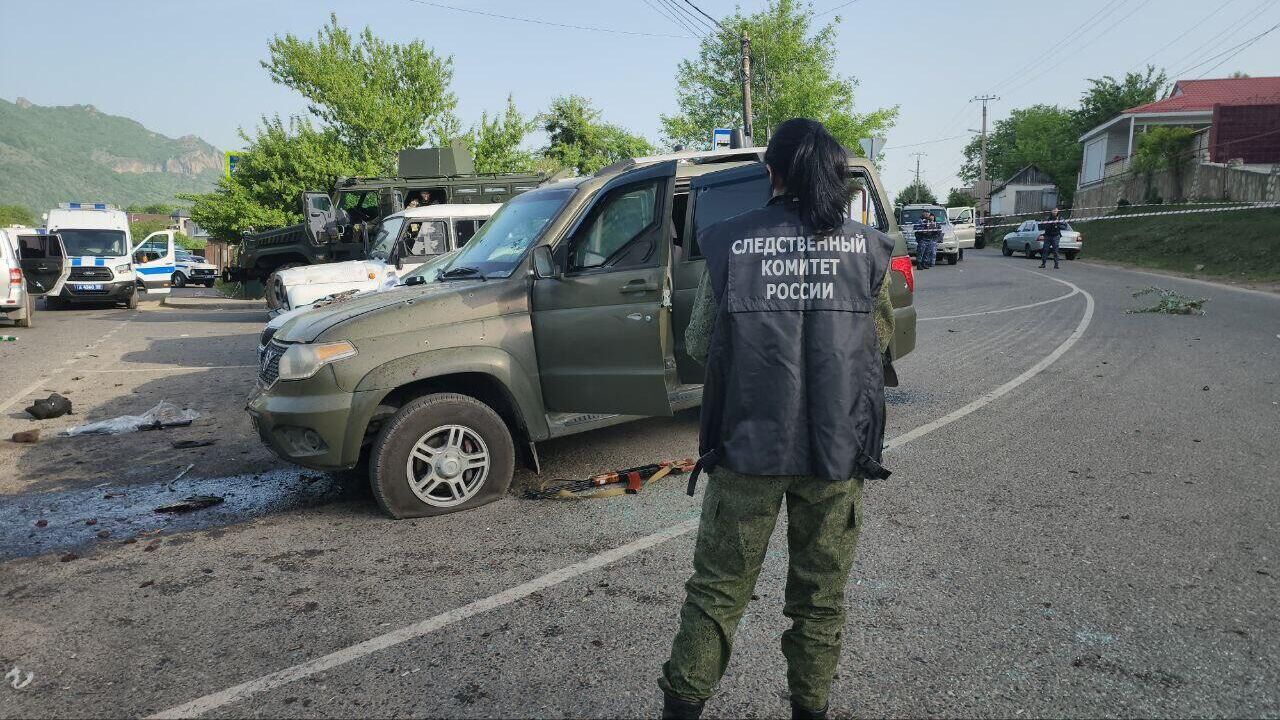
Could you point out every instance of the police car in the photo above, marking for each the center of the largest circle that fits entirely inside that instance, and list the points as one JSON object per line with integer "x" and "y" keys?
{"x": 191, "y": 269}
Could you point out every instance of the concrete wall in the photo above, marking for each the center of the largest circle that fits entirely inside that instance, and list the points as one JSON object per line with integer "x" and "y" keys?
{"x": 1201, "y": 182}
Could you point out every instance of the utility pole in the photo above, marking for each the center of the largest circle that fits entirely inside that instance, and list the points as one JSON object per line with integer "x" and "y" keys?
{"x": 983, "y": 185}
{"x": 918, "y": 155}
{"x": 746, "y": 85}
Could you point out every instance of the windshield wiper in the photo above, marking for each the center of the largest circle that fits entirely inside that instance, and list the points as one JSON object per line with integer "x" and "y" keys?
{"x": 461, "y": 271}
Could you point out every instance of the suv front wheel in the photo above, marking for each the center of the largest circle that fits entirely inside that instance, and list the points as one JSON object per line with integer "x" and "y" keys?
{"x": 439, "y": 454}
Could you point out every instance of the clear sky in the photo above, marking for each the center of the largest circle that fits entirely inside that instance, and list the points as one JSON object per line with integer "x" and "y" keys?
{"x": 181, "y": 67}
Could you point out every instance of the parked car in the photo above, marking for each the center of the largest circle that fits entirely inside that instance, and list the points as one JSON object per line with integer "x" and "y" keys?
{"x": 948, "y": 246}
{"x": 403, "y": 241}
{"x": 1029, "y": 239}
{"x": 565, "y": 313}
{"x": 191, "y": 269}
{"x": 33, "y": 263}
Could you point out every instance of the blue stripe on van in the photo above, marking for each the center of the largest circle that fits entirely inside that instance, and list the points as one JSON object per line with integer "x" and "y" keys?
{"x": 155, "y": 270}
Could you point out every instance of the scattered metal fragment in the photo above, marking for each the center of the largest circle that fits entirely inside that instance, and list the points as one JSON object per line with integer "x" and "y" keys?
{"x": 191, "y": 504}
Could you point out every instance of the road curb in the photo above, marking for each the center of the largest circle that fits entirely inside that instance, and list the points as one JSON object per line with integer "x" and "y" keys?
{"x": 212, "y": 303}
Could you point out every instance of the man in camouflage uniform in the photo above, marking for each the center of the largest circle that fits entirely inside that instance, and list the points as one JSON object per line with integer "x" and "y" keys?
{"x": 739, "y": 511}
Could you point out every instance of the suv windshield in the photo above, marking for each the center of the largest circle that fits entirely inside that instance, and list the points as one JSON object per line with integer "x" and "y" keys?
{"x": 496, "y": 249}
{"x": 385, "y": 240}
{"x": 101, "y": 243}
{"x": 913, "y": 216}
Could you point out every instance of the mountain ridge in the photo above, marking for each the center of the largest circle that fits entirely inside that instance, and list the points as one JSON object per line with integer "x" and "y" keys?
{"x": 52, "y": 154}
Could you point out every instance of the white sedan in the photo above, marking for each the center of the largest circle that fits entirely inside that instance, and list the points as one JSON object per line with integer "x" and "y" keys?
{"x": 1029, "y": 239}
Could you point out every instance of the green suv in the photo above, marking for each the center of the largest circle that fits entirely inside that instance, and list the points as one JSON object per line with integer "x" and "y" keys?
{"x": 564, "y": 313}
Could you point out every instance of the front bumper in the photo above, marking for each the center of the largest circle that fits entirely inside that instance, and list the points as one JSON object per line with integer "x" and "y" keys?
{"x": 946, "y": 247}
{"x": 114, "y": 291}
{"x": 312, "y": 422}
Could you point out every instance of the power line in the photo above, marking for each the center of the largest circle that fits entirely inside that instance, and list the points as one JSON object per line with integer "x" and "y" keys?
{"x": 697, "y": 24}
{"x": 1107, "y": 8}
{"x": 680, "y": 19}
{"x": 1199, "y": 23}
{"x": 545, "y": 22}
{"x": 1243, "y": 46}
{"x": 926, "y": 142}
{"x": 695, "y": 7}
{"x": 1225, "y": 32}
{"x": 841, "y": 6}
{"x": 664, "y": 14}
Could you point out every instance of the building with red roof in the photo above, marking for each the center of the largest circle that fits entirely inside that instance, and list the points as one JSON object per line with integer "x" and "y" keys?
{"x": 1246, "y": 111}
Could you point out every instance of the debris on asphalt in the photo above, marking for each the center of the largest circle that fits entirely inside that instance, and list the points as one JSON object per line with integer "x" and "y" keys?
{"x": 8, "y": 338}
{"x": 1171, "y": 302}
{"x": 26, "y": 436}
{"x": 188, "y": 444}
{"x": 51, "y": 407}
{"x": 42, "y": 523}
{"x": 103, "y": 534}
{"x": 69, "y": 557}
{"x": 163, "y": 415}
{"x": 636, "y": 479}
{"x": 191, "y": 504}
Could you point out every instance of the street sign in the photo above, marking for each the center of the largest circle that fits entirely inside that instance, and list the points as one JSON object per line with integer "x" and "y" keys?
{"x": 721, "y": 138}
{"x": 230, "y": 159}
{"x": 871, "y": 147}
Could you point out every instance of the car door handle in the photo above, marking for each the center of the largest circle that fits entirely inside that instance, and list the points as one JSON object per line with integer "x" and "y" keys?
{"x": 636, "y": 286}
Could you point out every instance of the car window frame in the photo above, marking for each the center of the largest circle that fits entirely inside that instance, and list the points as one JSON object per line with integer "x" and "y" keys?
{"x": 609, "y": 263}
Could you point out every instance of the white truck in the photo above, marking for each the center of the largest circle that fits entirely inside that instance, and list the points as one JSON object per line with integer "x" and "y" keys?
{"x": 105, "y": 264}
{"x": 402, "y": 243}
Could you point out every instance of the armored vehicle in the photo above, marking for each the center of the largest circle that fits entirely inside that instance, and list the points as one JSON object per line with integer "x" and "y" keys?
{"x": 339, "y": 224}
{"x": 566, "y": 312}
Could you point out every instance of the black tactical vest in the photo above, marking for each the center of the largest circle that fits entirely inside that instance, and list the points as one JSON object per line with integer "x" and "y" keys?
{"x": 795, "y": 381}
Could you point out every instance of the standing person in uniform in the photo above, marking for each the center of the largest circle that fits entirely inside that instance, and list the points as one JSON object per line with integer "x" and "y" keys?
{"x": 1052, "y": 236}
{"x": 926, "y": 231}
{"x": 793, "y": 319}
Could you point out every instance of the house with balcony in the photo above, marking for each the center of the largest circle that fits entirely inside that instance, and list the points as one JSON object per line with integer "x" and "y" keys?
{"x": 1197, "y": 104}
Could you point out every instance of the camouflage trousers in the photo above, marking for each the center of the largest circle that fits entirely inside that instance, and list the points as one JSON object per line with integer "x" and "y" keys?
{"x": 738, "y": 517}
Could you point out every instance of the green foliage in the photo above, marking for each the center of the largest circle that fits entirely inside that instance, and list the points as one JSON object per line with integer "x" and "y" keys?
{"x": 152, "y": 209}
{"x": 16, "y": 215}
{"x": 959, "y": 198}
{"x": 1040, "y": 135}
{"x": 1108, "y": 97}
{"x": 76, "y": 153}
{"x": 792, "y": 75}
{"x": 1171, "y": 302}
{"x": 1162, "y": 148}
{"x": 495, "y": 144}
{"x": 372, "y": 99}
{"x": 1238, "y": 245}
{"x": 915, "y": 193}
{"x": 377, "y": 97}
{"x": 579, "y": 140}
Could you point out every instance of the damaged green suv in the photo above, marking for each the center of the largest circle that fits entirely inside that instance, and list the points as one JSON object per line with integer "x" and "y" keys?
{"x": 564, "y": 313}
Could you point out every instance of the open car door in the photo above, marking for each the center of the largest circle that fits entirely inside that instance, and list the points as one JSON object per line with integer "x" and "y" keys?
{"x": 154, "y": 260}
{"x": 962, "y": 222}
{"x": 44, "y": 263}
{"x": 318, "y": 209}
{"x": 602, "y": 327}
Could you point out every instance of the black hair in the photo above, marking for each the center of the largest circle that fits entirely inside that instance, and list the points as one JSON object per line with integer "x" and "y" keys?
{"x": 810, "y": 163}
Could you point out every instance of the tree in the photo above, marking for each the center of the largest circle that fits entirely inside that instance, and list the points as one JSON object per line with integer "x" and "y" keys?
{"x": 1164, "y": 148}
{"x": 1108, "y": 97}
{"x": 378, "y": 97}
{"x": 916, "y": 192}
{"x": 960, "y": 198}
{"x": 371, "y": 100}
{"x": 496, "y": 144}
{"x": 16, "y": 215}
{"x": 1040, "y": 135}
{"x": 792, "y": 75}
{"x": 153, "y": 208}
{"x": 580, "y": 141}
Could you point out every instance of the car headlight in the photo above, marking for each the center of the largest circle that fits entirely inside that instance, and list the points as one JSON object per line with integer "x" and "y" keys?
{"x": 123, "y": 268}
{"x": 303, "y": 360}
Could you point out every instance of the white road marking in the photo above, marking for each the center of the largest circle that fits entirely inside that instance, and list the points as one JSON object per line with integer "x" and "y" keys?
{"x": 204, "y": 704}
{"x": 1073, "y": 293}
{"x": 5, "y": 405}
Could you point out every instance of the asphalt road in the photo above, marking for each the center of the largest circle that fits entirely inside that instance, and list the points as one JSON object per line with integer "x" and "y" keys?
{"x": 1082, "y": 521}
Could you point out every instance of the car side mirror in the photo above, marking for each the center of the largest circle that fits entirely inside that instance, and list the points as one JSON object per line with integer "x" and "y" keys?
{"x": 544, "y": 263}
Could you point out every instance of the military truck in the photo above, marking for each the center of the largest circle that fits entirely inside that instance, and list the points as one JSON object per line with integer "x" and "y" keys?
{"x": 566, "y": 312}
{"x": 340, "y": 223}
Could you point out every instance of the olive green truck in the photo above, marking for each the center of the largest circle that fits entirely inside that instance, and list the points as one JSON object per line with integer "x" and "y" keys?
{"x": 564, "y": 313}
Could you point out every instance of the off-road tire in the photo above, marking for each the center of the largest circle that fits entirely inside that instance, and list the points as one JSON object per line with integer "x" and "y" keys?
{"x": 1026, "y": 249}
{"x": 271, "y": 293}
{"x": 54, "y": 303}
{"x": 1071, "y": 254}
{"x": 178, "y": 280}
{"x": 387, "y": 461}
{"x": 979, "y": 243}
{"x": 1005, "y": 250}
{"x": 28, "y": 318}
{"x": 132, "y": 302}
{"x": 953, "y": 258}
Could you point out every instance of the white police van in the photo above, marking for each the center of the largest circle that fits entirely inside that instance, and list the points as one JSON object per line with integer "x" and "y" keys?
{"x": 105, "y": 264}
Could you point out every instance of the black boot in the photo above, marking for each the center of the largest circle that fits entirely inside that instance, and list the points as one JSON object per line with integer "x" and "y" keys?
{"x": 801, "y": 713}
{"x": 673, "y": 708}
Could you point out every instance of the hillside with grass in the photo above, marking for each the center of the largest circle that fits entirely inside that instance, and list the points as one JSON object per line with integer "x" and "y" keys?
{"x": 56, "y": 154}
{"x": 1237, "y": 245}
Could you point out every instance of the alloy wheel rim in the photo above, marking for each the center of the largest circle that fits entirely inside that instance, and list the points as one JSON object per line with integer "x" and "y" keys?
{"x": 447, "y": 466}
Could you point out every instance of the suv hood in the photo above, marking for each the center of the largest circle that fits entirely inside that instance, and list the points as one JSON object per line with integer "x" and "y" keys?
{"x": 349, "y": 271}
{"x": 311, "y": 322}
